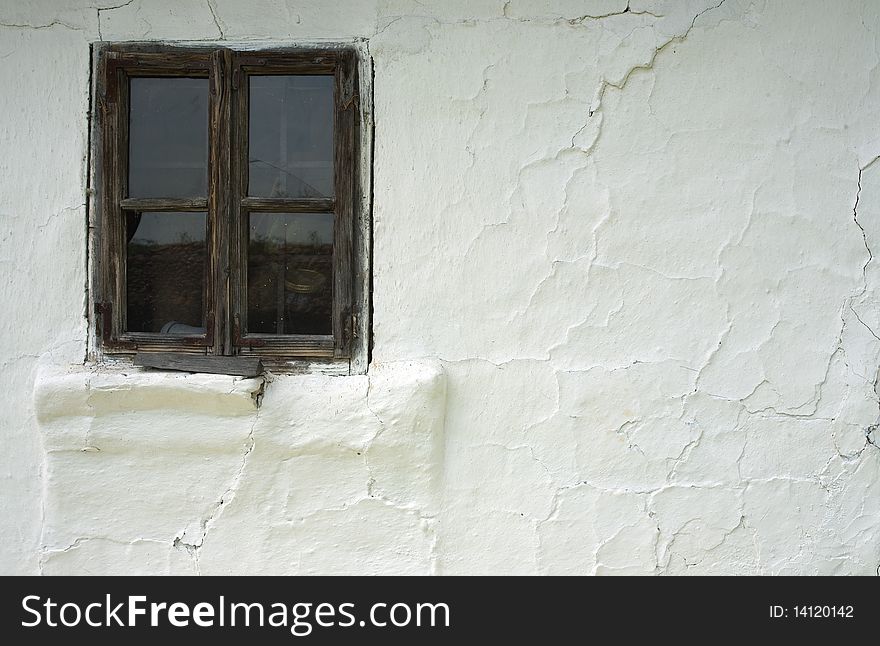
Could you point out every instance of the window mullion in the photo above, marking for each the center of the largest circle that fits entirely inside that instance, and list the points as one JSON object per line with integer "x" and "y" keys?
{"x": 220, "y": 201}
{"x": 237, "y": 215}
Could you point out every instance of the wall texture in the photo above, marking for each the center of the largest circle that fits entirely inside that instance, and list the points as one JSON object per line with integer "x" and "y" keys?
{"x": 626, "y": 305}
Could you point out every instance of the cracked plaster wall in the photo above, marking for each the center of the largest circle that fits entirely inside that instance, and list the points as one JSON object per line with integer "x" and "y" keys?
{"x": 626, "y": 305}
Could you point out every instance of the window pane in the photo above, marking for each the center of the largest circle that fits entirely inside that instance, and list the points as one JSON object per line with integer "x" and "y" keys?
{"x": 168, "y": 137}
{"x": 290, "y": 140}
{"x": 165, "y": 273}
{"x": 290, "y": 271}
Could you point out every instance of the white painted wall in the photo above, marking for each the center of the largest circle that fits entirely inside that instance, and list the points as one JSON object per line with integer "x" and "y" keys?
{"x": 626, "y": 309}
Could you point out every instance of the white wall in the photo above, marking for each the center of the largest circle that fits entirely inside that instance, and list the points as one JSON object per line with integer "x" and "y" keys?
{"x": 626, "y": 308}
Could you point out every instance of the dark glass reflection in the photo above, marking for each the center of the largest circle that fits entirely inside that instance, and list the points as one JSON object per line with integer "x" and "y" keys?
{"x": 290, "y": 273}
{"x": 168, "y": 137}
{"x": 290, "y": 140}
{"x": 165, "y": 272}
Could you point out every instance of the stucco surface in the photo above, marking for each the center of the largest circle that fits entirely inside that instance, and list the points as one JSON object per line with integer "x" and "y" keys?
{"x": 625, "y": 304}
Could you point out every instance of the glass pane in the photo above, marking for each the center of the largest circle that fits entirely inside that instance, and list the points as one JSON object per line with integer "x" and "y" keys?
{"x": 165, "y": 273}
{"x": 168, "y": 137}
{"x": 290, "y": 272}
{"x": 290, "y": 140}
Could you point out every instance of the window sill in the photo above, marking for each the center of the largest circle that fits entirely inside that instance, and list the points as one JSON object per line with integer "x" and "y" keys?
{"x": 182, "y": 473}
{"x": 127, "y": 361}
{"x": 196, "y": 409}
{"x": 121, "y": 386}
{"x": 177, "y": 361}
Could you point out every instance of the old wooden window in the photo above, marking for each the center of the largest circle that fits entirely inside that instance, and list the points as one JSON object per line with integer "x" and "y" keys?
{"x": 228, "y": 189}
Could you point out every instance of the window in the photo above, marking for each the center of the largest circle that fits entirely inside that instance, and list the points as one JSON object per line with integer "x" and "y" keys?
{"x": 230, "y": 222}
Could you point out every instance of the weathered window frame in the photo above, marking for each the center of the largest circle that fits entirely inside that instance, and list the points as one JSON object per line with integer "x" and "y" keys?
{"x": 346, "y": 350}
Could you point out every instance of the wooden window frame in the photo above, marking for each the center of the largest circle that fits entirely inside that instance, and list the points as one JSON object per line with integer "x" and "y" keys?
{"x": 228, "y": 206}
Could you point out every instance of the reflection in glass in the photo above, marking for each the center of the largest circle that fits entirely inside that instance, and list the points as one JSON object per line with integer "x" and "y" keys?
{"x": 290, "y": 136}
{"x": 165, "y": 272}
{"x": 290, "y": 272}
{"x": 168, "y": 137}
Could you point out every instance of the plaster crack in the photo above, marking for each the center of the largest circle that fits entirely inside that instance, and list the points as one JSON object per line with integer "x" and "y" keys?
{"x": 588, "y": 17}
{"x": 866, "y": 326}
{"x": 685, "y": 454}
{"x": 605, "y": 542}
{"x": 553, "y": 514}
{"x": 578, "y": 134}
{"x": 217, "y": 22}
{"x": 192, "y": 550}
{"x": 869, "y": 439}
{"x": 862, "y": 229}
{"x": 505, "y": 13}
{"x": 54, "y": 23}
{"x": 225, "y": 498}
{"x": 388, "y": 24}
{"x": 650, "y": 64}
{"x": 45, "y": 553}
{"x": 45, "y": 224}
{"x": 869, "y": 431}
{"x": 117, "y": 6}
{"x": 231, "y": 490}
{"x": 114, "y": 7}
